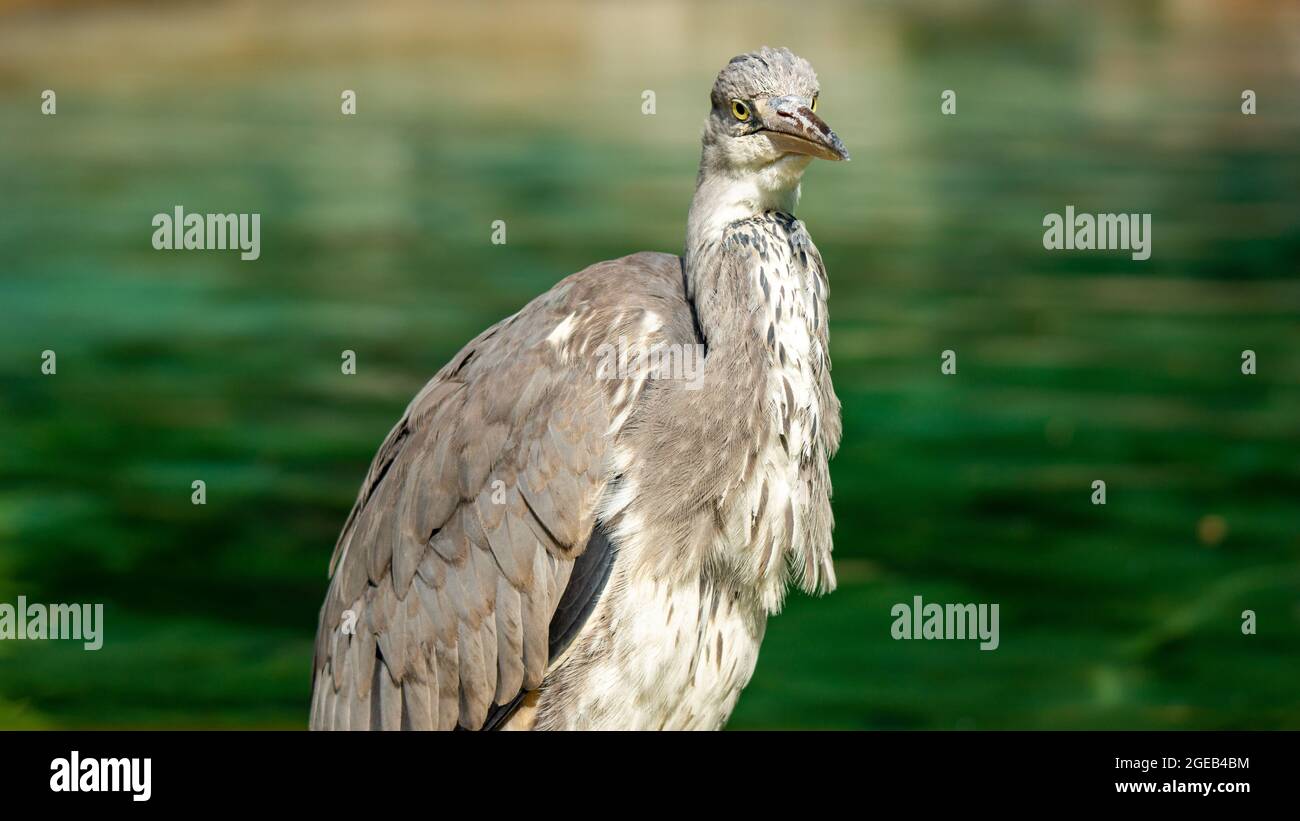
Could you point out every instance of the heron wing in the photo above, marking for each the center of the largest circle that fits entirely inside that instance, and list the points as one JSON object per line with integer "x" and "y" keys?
{"x": 469, "y": 560}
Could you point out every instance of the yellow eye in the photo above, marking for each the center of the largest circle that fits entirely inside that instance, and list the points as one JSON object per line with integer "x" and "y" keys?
{"x": 739, "y": 110}
{"x": 814, "y": 105}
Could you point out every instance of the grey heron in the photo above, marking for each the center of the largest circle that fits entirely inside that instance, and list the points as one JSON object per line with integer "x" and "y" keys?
{"x": 543, "y": 544}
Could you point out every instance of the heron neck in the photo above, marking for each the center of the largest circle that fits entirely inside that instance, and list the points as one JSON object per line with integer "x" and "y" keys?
{"x": 722, "y": 199}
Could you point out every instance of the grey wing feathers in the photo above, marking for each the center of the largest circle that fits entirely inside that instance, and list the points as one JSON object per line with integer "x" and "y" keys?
{"x": 586, "y": 583}
{"x": 459, "y": 551}
{"x": 590, "y": 572}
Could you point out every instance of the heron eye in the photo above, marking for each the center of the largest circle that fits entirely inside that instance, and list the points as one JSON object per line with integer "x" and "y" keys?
{"x": 814, "y": 105}
{"x": 739, "y": 110}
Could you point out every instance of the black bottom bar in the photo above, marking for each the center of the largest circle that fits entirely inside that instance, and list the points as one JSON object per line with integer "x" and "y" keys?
{"x": 241, "y": 770}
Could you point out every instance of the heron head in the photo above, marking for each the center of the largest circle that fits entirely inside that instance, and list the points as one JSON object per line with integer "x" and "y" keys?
{"x": 764, "y": 119}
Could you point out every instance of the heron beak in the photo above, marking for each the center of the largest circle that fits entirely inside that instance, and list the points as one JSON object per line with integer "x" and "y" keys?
{"x": 792, "y": 126}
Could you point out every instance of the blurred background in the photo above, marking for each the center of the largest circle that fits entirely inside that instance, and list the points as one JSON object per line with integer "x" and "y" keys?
{"x": 375, "y": 237}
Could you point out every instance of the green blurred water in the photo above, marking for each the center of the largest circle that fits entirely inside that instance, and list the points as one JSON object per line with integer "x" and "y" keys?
{"x": 375, "y": 238}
